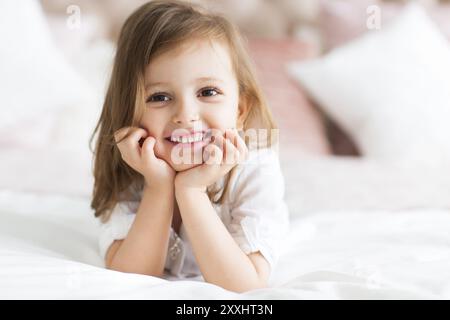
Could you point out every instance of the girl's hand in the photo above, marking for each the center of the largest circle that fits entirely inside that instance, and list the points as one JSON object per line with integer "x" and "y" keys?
{"x": 221, "y": 156}
{"x": 143, "y": 159}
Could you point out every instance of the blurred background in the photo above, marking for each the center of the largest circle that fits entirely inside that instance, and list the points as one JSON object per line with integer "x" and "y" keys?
{"x": 57, "y": 56}
{"x": 361, "y": 93}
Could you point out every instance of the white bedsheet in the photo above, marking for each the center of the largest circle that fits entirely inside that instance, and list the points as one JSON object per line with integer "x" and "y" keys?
{"x": 48, "y": 249}
{"x": 346, "y": 241}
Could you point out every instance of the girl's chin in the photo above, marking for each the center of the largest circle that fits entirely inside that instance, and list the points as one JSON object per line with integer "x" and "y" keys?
{"x": 180, "y": 164}
{"x": 182, "y": 159}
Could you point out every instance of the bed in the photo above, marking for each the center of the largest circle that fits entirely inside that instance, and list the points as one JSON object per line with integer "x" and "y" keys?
{"x": 360, "y": 229}
{"x": 48, "y": 250}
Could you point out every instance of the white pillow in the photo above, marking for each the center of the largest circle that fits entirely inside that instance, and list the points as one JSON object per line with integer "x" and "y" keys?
{"x": 49, "y": 170}
{"x": 390, "y": 90}
{"x": 49, "y": 107}
{"x": 35, "y": 79}
{"x": 339, "y": 184}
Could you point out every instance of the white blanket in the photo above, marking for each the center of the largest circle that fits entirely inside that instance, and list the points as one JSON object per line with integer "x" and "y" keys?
{"x": 48, "y": 249}
{"x": 346, "y": 240}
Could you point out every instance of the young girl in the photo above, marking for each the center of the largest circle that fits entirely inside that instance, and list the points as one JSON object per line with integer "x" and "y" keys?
{"x": 185, "y": 180}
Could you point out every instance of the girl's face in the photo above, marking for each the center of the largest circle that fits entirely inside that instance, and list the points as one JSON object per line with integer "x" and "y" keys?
{"x": 189, "y": 91}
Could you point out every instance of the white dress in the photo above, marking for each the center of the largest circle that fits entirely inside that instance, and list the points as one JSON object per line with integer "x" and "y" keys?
{"x": 254, "y": 212}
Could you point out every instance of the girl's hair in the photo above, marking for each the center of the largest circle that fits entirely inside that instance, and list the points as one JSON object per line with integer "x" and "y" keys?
{"x": 154, "y": 28}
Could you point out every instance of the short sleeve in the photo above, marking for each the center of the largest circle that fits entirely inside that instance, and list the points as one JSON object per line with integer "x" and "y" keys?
{"x": 259, "y": 215}
{"x": 118, "y": 225}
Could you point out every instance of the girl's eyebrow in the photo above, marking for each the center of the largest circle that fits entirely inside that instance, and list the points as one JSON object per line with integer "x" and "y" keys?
{"x": 208, "y": 79}
{"x": 201, "y": 79}
{"x": 153, "y": 84}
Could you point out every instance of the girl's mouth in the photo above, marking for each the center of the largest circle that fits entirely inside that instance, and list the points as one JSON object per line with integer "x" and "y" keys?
{"x": 192, "y": 140}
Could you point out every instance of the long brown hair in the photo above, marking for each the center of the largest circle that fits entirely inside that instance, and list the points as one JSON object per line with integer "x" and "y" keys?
{"x": 154, "y": 28}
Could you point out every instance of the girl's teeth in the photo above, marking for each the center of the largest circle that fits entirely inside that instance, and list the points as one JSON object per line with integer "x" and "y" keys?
{"x": 194, "y": 138}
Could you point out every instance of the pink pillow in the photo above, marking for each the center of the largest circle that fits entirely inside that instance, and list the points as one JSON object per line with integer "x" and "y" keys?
{"x": 300, "y": 124}
{"x": 343, "y": 20}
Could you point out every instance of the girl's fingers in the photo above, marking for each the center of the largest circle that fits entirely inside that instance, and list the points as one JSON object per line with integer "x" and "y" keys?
{"x": 238, "y": 142}
{"x": 231, "y": 135}
{"x": 232, "y": 145}
{"x": 228, "y": 149}
{"x": 135, "y": 136}
{"x": 148, "y": 147}
{"x": 219, "y": 141}
{"x": 213, "y": 154}
{"x": 231, "y": 153}
{"x": 130, "y": 134}
{"x": 119, "y": 134}
{"x": 127, "y": 140}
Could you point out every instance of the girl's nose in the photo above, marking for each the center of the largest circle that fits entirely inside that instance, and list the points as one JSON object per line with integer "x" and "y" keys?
{"x": 186, "y": 116}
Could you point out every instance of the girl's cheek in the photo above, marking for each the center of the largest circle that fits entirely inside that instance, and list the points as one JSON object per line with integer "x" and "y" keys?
{"x": 158, "y": 150}
{"x": 159, "y": 147}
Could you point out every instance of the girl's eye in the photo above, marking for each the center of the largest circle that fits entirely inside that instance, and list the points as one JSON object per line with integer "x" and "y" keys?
{"x": 209, "y": 92}
{"x": 158, "y": 97}
{"x": 162, "y": 97}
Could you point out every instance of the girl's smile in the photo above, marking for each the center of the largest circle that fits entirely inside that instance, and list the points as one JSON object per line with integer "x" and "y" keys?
{"x": 188, "y": 145}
